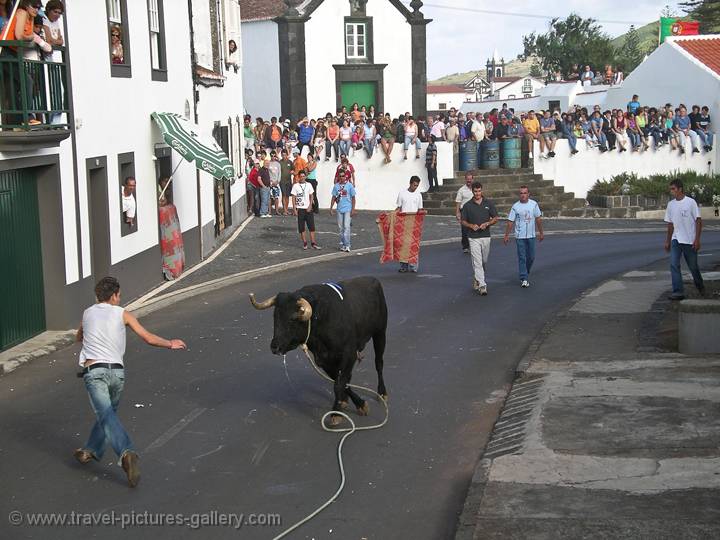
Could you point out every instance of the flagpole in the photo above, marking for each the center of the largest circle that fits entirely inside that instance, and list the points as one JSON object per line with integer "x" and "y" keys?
{"x": 171, "y": 179}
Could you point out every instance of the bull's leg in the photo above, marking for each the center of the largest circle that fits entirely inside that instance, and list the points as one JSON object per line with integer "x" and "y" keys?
{"x": 379, "y": 346}
{"x": 359, "y": 402}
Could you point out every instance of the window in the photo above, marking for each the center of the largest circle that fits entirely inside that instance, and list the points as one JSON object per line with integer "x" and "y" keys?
{"x": 442, "y": 106}
{"x": 119, "y": 45}
{"x": 355, "y": 41}
{"x": 511, "y": 96}
{"x": 128, "y": 193}
{"x": 157, "y": 40}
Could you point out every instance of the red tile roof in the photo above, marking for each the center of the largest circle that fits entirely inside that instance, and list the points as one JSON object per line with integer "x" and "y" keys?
{"x": 445, "y": 89}
{"x": 706, "y": 51}
{"x": 259, "y": 10}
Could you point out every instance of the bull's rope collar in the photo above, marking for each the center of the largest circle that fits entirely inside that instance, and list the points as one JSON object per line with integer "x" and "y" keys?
{"x": 338, "y": 289}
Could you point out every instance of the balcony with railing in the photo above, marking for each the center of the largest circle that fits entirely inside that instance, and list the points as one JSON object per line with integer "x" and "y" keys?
{"x": 34, "y": 103}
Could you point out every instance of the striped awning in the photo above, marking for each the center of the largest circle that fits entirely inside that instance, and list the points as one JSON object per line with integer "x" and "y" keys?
{"x": 183, "y": 136}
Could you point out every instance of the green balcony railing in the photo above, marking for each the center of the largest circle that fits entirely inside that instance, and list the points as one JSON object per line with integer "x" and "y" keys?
{"x": 33, "y": 93}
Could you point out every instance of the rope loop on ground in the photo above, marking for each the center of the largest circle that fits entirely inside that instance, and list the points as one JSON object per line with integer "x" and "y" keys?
{"x": 347, "y": 432}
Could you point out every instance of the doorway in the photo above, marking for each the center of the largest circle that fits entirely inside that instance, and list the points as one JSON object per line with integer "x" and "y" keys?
{"x": 97, "y": 188}
{"x": 22, "y": 310}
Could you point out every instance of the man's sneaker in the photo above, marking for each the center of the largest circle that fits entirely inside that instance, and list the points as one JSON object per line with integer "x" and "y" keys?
{"x": 466, "y": 250}
{"x": 483, "y": 291}
{"x": 347, "y": 249}
{"x": 476, "y": 285}
{"x": 524, "y": 283}
{"x": 552, "y": 154}
{"x": 676, "y": 296}
{"x": 83, "y": 456}
{"x": 131, "y": 468}
{"x": 305, "y": 245}
{"x": 315, "y": 246}
{"x": 696, "y": 151}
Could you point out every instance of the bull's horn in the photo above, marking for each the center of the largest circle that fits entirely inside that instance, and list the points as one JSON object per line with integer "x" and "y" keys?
{"x": 270, "y": 302}
{"x": 304, "y": 310}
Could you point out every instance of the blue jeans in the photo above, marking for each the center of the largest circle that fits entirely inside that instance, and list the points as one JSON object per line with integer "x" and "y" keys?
{"x": 635, "y": 140}
{"x": 344, "y": 222}
{"x": 571, "y": 138}
{"x": 706, "y": 138}
{"x": 677, "y": 251}
{"x": 264, "y": 200}
{"x": 526, "y": 256}
{"x": 408, "y": 142}
{"x": 104, "y": 387}
{"x": 369, "y": 146}
{"x": 345, "y": 147}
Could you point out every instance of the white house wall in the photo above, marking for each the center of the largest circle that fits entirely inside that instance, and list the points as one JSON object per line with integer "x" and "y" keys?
{"x": 113, "y": 117}
{"x": 261, "y": 69}
{"x": 450, "y": 99}
{"x": 669, "y": 76}
{"x": 324, "y": 46}
{"x": 392, "y": 45}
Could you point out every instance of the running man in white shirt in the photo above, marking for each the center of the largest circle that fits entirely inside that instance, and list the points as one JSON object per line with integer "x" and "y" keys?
{"x": 102, "y": 334}
{"x": 525, "y": 217}
{"x": 409, "y": 201}
{"x": 683, "y": 238}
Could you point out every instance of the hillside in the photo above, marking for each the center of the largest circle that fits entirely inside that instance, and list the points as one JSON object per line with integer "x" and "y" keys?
{"x": 514, "y": 68}
{"x": 648, "y": 36}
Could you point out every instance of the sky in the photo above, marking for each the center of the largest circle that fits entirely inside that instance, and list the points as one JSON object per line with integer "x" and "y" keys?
{"x": 462, "y": 40}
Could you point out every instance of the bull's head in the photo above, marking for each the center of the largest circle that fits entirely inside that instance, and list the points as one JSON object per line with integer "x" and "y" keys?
{"x": 292, "y": 316}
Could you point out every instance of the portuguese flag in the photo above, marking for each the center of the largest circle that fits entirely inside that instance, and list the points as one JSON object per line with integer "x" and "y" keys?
{"x": 670, "y": 26}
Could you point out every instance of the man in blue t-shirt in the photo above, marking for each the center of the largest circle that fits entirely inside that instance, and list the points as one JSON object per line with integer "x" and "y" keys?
{"x": 681, "y": 126}
{"x": 343, "y": 195}
{"x": 525, "y": 216}
{"x": 633, "y": 105}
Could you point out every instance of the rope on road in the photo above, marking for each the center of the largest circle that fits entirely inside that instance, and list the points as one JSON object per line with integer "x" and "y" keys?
{"x": 348, "y": 431}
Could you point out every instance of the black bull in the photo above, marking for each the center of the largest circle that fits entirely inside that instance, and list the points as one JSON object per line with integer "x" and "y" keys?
{"x": 334, "y": 329}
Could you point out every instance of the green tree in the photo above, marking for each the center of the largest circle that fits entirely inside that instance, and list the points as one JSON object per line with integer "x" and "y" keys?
{"x": 536, "y": 71}
{"x": 706, "y": 12}
{"x": 631, "y": 54}
{"x": 570, "y": 41}
{"x": 667, "y": 11}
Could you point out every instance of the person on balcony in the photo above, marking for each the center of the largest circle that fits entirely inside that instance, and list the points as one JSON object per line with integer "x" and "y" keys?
{"x": 116, "y": 46}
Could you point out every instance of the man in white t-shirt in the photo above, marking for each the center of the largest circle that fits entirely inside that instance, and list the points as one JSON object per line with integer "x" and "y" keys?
{"x": 683, "y": 238}
{"x": 129, "y": 206}
{"x": 464, "y": 195}
{"x": 301, "y": 200}
{"x": 526, "y": 218}
{"x": 102, "y": 334}
{"x": 409, "y": 201}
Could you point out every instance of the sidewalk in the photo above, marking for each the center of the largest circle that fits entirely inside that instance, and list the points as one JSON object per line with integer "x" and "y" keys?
{"x": 607, "y": 433}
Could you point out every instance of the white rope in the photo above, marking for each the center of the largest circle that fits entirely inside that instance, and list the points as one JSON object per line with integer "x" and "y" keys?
{"x": 348, "y": 431}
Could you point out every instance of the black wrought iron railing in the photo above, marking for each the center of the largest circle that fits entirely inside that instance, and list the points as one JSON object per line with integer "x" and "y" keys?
{"x": 33, "y": 93}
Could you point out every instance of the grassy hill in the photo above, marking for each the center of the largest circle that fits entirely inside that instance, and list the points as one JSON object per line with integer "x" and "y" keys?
{"x": 514, "y": 68}
{"x": 648, "y": 36}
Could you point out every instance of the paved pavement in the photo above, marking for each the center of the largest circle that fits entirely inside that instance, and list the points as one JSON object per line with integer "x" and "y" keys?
{"x": 226, "y": 427}
{"x": 610, "y": 433}
{"x": 266, "y": 242}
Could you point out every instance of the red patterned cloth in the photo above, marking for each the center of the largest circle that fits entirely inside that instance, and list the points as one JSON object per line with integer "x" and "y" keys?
{"x": 171, "y": 242}
{"x": 401, "y": 234}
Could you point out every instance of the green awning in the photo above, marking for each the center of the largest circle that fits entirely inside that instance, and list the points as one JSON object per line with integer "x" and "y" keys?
{"x": 183, "y": 136}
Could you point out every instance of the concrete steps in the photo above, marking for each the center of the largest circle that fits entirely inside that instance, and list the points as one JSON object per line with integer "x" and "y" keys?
{"x": 502, "y": 185}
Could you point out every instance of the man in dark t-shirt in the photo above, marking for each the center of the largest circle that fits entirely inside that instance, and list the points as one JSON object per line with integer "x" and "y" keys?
{"x": 478, "y": 215}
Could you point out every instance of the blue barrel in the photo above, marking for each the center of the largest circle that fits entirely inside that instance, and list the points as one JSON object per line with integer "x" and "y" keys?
{"x": 479, "y": 155}
{"x": 491, "y": 154}
{"x": 511, "y": 154}
{"x": 468, "y": 155}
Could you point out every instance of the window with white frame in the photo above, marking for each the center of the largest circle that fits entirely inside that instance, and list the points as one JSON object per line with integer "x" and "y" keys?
{"x": 114, "y": 11}
{"x": 154, "y": 17}
{"x": 119, "y": 38}
{"x": 355, "y": 40}
{"x": 156, "y": 27}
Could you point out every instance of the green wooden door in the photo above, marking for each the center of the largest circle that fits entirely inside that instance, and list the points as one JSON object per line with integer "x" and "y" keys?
{"x": 362, "y": 93}
{"x": 22, "y": 309}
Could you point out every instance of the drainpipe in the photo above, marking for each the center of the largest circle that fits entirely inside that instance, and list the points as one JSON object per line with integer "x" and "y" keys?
{"x": 195, "y": 119}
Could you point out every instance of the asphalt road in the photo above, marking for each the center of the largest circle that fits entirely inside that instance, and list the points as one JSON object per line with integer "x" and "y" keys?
{"x": 223, "y": 427}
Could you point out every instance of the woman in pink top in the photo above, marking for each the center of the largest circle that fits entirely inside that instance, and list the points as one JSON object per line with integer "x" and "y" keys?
{"x": 618, "y": 126}
{"x": 411, "y": 137}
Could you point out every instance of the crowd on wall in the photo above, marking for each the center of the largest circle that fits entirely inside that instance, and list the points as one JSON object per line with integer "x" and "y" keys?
{"x": 588, "y": 77}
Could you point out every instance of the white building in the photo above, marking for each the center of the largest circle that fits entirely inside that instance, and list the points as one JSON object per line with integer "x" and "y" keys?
{"x": 503, "y": 88}
{"x": 60, "y": 188}
{"x": 445, "y": 97}
{"x": 310, "y": 57}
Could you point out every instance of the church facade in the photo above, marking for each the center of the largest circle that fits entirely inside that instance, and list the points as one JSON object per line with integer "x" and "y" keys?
{"x": 311, "y": 57}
